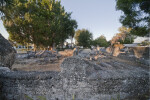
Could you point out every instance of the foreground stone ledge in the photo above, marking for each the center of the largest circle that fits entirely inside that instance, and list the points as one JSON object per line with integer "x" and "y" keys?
{"x": 21, "y": 75}
{"x": 78, "y": 78}
{"x": 128, "y": 80}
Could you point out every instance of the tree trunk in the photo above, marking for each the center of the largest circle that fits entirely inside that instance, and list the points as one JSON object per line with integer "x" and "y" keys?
{"x": 50, "y": 48}
{"x": 27, "y": 46}
{"x": 34, "y": 47}
{"x": 62, "y": 45}
{"x": 54, "y": 48}
{"x": 72, "y": 42}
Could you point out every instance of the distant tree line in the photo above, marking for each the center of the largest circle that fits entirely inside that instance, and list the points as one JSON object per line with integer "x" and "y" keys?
{"x": 85, "y": 38}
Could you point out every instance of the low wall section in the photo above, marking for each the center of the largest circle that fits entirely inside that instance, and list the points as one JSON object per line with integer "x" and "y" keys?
{"x": 79, "y": 79}
{"x": 17, "y": 85}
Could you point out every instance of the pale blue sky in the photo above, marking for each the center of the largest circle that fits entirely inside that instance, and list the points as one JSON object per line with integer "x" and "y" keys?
{"x": 98, "y": 16}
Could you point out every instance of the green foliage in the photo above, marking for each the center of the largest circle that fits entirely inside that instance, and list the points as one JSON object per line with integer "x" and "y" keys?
{"x": 41, "y": 98}
{"x": 83, "y": 38}
{"x": 127, "y": 40}
{"x": 4, "y": 3}
{"x": 101, "y": 41}
{"x": 41, "y": 22}
{"x": 136, "y": 15}
{"x": 73, "y": 97}
{"x": 28, "y": 98}
{"x": 144, "y": 43}
{"x": 124, "y": 36}
{"x": 118, "y": 98}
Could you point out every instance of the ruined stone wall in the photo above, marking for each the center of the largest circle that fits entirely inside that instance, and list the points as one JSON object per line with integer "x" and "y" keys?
{"x": 22, "y": 85}
{"x": 88, "y": 81}
{"x": 79, "y": 79}
{"x": 139, "y": 54}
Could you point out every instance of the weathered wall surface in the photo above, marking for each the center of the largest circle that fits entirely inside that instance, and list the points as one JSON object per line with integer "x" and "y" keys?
{"x": 19, "y": 85}
{"x": 139, "y": 54}
{"x": 90, "y": 81}
{"x": 7, "y": 53}
{"x": 79, "y": 79}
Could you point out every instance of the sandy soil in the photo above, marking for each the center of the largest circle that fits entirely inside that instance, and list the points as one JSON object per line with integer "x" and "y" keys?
{"x": 36, "y": 64}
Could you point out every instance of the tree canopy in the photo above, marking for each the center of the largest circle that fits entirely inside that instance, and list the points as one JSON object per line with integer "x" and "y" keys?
{"x": 83, "y": 37}
{"x": 124, "y": 36}
{"x": 136, "y": 15}
{"x": 41, "y": 22}
{"x": 101, "y": 41}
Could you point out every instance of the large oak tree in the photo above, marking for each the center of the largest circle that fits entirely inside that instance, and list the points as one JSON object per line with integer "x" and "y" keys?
{"x": 41, "y": 22}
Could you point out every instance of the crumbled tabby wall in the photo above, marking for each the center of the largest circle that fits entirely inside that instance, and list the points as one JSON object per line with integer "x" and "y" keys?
{"x": 79, "y": 79}
{"x": 90, "y": 81}
{"x": 18, "y": 85}
{"x": 139, "y": 54}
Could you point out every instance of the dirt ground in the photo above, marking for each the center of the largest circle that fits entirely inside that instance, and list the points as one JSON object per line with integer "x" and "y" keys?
{"x": 126, "y": 62}
{"x": 36, "y": 64}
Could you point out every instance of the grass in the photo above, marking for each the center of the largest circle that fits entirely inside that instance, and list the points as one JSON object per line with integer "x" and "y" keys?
{"x": 39, "y": 97}
{"x": 118, "y": 98}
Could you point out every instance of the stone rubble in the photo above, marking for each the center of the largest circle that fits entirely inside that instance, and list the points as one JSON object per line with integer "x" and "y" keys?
{"x": 48, "y": 56}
